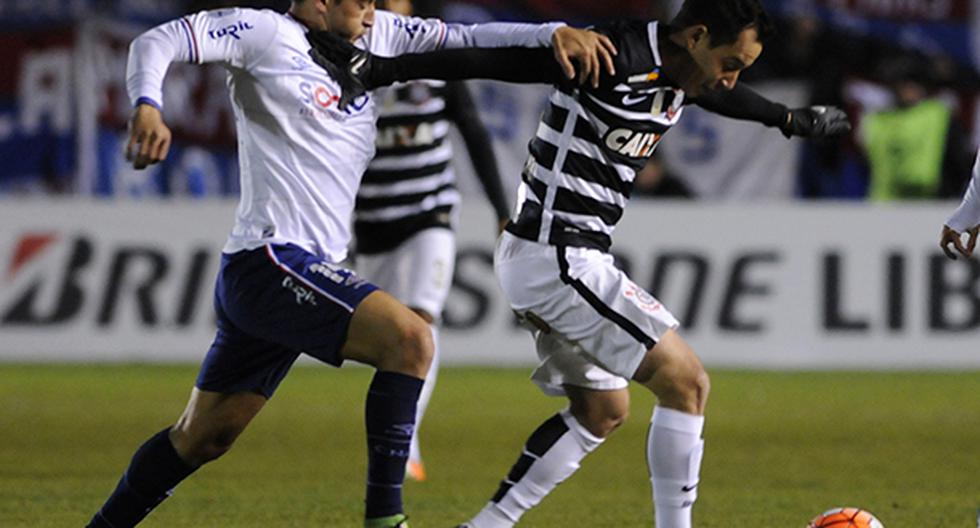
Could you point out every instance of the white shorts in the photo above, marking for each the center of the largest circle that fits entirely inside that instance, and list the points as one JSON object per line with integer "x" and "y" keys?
{"x": 418, "y": 272}
{"x": 601, "y": 323}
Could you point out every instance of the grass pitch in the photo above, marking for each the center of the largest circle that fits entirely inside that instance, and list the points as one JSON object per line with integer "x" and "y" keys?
{"x": 780, "y": 448}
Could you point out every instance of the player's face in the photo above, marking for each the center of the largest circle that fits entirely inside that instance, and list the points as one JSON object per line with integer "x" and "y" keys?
{"x": 719, "y": 67}
{"x": 401, "y": 7}
{"x": 350, "y": 18}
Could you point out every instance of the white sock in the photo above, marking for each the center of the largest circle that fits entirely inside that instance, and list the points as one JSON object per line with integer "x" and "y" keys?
{"x": 674, "y": 450}
{"x": 415, "y": 452}
{"x": 551, "y": 454}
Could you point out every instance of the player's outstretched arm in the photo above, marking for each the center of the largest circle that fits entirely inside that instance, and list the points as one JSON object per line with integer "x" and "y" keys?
{"x": 966, "y": 219}
{"x": 358, "y": 70}
{"x": 742, "y": 102}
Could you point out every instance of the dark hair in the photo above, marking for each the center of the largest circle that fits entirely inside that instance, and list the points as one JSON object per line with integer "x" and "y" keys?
{"x": 725, "y": 19}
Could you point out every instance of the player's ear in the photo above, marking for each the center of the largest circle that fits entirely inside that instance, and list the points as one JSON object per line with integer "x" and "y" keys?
{"x": 321, "y": 6}
{"x": 694, "y": 35}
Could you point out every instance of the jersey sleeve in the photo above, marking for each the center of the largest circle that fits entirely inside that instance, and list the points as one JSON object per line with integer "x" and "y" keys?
{"x": 394, "y": 35}
{"x": 501, "y": 35}
{"x": 235, "y": 37}
{"x": 741, "y": 102}
{"x": 967, "y": 215}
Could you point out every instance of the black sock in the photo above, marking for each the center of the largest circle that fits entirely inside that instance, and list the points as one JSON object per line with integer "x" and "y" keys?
{"x": 390, "y": 419}
{"x": 151, "y": 476}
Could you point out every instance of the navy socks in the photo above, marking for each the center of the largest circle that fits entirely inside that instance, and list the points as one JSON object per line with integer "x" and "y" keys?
{"x": 152, "y": 474}
{"x": 390, "y": 419}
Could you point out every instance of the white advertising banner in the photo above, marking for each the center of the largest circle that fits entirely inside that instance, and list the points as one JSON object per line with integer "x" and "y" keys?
{"x": 770, "y": 286}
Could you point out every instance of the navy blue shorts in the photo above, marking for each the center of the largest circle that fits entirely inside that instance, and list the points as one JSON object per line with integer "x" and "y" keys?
{"x": 274, "y": 303}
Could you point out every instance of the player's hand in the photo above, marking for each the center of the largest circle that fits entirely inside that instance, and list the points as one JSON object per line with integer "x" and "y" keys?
{"x": 351, "y": 67}
{"x": 816, "y": 121}
{"x": 590, "y": 50}
{"x": 952, "y": 236}
{"x": 149, "y": 137}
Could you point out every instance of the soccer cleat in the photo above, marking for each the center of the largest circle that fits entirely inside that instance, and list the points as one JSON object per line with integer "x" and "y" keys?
{"x": 415, "y": 470}
{"x": 399, "y": 520}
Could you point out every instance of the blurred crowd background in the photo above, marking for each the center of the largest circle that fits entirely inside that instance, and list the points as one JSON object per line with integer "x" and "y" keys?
{"x": 905, "y": 71}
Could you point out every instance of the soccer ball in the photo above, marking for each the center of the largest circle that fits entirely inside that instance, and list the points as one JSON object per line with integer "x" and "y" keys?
{"x": 845, "y": 518}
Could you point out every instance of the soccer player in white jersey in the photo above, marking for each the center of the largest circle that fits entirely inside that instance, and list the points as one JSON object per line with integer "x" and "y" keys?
{"x": 280, "y": 291}
{"x": 595, "y": 328}
{"x": 406, "y": 206}
{"x": 964, "y": 220}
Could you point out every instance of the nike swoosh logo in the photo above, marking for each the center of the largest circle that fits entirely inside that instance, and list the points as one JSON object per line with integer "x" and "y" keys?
{"x": 629, "y": 101}
{"x": 686, "y": 489}
{"x": 357, "y": 64}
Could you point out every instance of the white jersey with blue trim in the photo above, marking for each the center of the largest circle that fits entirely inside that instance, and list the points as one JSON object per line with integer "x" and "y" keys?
{"x": 301, "y": 157}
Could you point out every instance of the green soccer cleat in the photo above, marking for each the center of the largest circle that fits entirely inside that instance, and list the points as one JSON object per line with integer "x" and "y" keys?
{"x": 399, "y": 520}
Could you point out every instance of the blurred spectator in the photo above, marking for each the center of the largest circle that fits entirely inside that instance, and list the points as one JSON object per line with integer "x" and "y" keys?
{"x": 656, "y": 180}
{"x": 916, "y": 148}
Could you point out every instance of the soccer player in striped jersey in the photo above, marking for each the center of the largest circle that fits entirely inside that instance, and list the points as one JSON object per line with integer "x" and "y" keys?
{"x": 280, "y": 291}
{"x": 405, "y": 209}
{"x": 964, "y": 220}
{"x": 595, "y": 328}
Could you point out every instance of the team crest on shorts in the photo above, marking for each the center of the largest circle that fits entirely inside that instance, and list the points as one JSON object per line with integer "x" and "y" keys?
{"x": 641, "y": 298}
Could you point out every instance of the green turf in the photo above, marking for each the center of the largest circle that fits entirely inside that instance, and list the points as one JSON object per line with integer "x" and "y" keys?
{"x": 779, "y": 449}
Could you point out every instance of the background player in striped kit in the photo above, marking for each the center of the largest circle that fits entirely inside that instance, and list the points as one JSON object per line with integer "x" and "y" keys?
{"x": 595, "y": 328}
{"x": 405, "y": 210}
{"x": 280, "y": 291}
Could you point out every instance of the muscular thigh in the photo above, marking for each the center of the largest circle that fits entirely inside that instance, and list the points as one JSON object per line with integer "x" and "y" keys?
{"x": 383, "y": 332}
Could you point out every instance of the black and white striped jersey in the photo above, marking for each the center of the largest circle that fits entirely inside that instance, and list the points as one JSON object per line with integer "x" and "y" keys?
{"x": 590, "y": 143}
{"x": 409, "y": 185}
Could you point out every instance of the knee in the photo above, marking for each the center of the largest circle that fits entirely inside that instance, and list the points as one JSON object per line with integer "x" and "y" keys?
{"x": 415, "y": 348}
{"x": 201, "y": 448}
{"x": 601, "y": 421}
{"x": 685, "y": 389}
{"x": 603, "y": 425}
